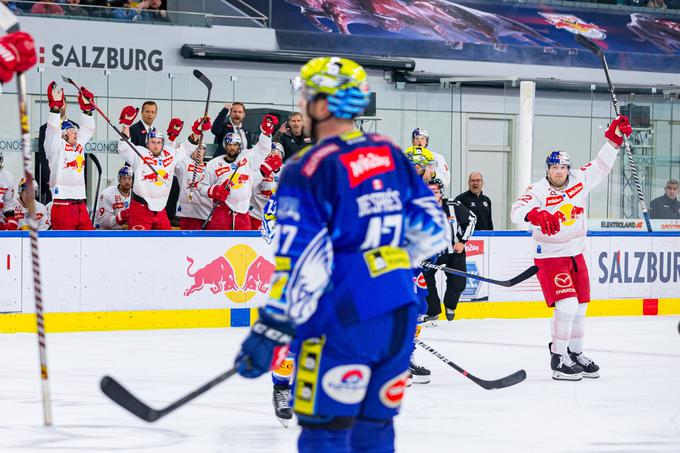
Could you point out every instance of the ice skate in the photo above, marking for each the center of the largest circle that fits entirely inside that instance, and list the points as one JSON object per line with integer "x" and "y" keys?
{"x": 282, "y": 409}
{"x": 590, "y": 368}
{"x": 450, "y": 314}
{"x": 564, "y": 368}
{"x": 419, "y": 374}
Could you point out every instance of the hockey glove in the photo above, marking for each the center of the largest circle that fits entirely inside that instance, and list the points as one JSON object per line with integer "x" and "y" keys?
{"x": 268, "y": 124}
{"x": 218, "y": 193}
{"x": 174, "y": 129}
{"x": 266, "y": 346}
{"x": 55, "y": 97}
{"x": 201, "y": 125}
{"x": 271, "y": 164}
{"x": 17, "y": 54}
{"x": 86, "y": 100}
{"x": 617, "y": 129}
{"x": 123, "y": 217}
{"x": 128, "y": 115}
{"x": 549, "y": 223}
{"x": 11, "y": 223}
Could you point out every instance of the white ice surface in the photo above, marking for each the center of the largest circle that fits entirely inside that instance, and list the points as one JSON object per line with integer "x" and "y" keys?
{"x": 633, "y": 407}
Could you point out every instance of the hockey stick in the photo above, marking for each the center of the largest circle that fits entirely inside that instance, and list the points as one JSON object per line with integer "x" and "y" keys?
{"x": 226, "y": 183}
{"x": 121, "y": 396}
{"x": 96, "y": 163}
{"x": 120, "y": 134}
{"x": 530, "y": 272}
{"x": 507, "y": 381}
{"x": 597, "y": 50}
{"x": 208, "y": 84}
{"x": 9, "y": 23}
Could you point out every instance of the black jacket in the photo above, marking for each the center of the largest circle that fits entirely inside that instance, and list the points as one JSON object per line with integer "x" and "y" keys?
{"x": 138, "y": 134}
{"x": 481, "y": 206}
{"x": 291, "y": 143}
{"x": 664, "y": 208}
{"x": 461, "y": 219}
{"x": 222, "y": 125}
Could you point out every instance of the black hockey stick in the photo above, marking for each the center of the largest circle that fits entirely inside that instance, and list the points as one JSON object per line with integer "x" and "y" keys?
{"x": 530, "y": 272}
{"x": 122, "y": 396}
{"x": 507, "y": 381}
{"x": 10, "y": 23}
{"x": 122, "y": 136}
{"x": 208, "y": 84}
{"x": 597, "y": 50}
{"x": 96, "y": 163}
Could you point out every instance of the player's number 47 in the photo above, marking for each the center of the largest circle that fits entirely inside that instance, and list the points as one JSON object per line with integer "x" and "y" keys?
{"x": 380, "y": 226}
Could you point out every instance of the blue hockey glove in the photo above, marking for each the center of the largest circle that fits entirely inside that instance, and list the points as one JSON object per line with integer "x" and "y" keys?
{"x": 266, "y": 346}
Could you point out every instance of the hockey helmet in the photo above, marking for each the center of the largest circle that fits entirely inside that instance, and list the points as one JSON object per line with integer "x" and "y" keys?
{"x": 557, "y": 158}
{"x": 276, "y": 146}
{"x": 233, "y": 138}
{"x": 418, "y": 132}
{"x": 340, "y": 80}
{"x": 23, "y": 185}
{"x": 67, "y": 125}
{"x": 154, "y": 133}
{"x": 419, "y": 155}
{"x": 436, "y": 182}
{"x": 125, "y": 171}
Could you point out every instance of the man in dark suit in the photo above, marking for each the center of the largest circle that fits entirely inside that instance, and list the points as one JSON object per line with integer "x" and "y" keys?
{"x": 230, "y": 119}
{"x": 42, "y": 166}
{"x": 140, "y": 128}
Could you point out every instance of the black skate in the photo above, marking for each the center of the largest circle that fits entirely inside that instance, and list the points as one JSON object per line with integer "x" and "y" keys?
{"x": 282, "y": 409}
{"x": 590, "y": 369}
{"x": 450, "y": 314}
{"x": 419, "y": 374}
{"x": 564, "y": 368}
{"x": 430, "y": 320}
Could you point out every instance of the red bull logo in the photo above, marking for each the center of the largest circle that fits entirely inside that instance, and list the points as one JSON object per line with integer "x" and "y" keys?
{"x": 575, "y": 25}
{"x": 75, "y": 164}
{"x": 152, "y": 177}
{"x": 568, "y": 213}
{"x": 239, "y": 274}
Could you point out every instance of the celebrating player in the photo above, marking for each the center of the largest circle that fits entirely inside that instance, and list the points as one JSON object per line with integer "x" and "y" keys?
{"x": 353, "y": 216}
{"x": 265, "y": 183}
{"x": 8, "y": 200}
{"x": 420, "y": 137}
{"x": 21, "y": 210}
{"x": 114, "y": 203}
{"x": 556, "y": 207}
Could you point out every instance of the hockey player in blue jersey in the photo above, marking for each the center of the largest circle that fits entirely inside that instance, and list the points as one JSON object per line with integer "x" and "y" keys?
{"x": 354, "y": 219}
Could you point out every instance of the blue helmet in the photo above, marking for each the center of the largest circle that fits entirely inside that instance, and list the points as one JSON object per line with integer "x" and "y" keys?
{"x": 66, "y": 125}
{"x": 125, "y": 171}
{"x": 233, "y": 138}
{"x": 418, "y": 132}
{"x": 154, "y": 133}
{"x": 557, "y": 158}
{"x": 276, "y": 146}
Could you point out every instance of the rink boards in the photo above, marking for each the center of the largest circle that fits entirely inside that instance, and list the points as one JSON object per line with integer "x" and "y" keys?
{"x": 152, "y": 280}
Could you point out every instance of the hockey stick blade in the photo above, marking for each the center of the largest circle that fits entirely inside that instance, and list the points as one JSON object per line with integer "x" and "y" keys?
{"x": 8, "y": 21}
{"x": 507, "y": 381}
{"x": 530, "y": 272}
{"x": 589, "y": 44}
{"x": 200, "y": 76}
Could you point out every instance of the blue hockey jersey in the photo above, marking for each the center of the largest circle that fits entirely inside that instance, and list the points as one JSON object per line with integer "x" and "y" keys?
{"x": 354, "y": 219}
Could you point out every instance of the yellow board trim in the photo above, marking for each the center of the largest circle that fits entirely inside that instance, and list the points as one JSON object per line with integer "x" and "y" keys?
{"x": 205, "y": 318}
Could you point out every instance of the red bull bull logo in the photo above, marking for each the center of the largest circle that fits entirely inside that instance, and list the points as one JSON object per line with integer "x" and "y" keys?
{"x": 575, "y": 24}
{"x": 152, "y": 177}
{"x": 239, "y": 274}
{"x": 75, "y": 164}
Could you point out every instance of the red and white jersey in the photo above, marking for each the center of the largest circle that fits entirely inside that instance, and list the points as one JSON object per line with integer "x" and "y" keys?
{"x": 21, "y": 216}
{"x": 572, "y": 202}
{"x": 263, "y": 191}
{"x": 246, "y": 165}
{"x": 442, "y": 169}
{"x": 67, "y": 162}
{"x": 8, "y": 198}
{"x": 147, "y": 185}
{"x": 111, "y": 202}
{"x": 197, "y": 206}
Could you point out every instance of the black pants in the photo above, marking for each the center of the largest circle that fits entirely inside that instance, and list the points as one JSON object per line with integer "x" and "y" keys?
{"x": 455, "y": 285}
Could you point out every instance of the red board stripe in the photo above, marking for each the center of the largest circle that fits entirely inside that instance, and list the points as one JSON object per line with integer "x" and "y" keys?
{"x": 650, "y": 307}
{"x": 8, "y": 262}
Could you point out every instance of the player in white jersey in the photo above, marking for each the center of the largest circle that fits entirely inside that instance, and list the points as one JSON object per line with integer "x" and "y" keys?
{"x": 193, "y": 207}
{"x": 229, "y": 178}
{"x": 420, "y": 137}
{"x": 114, "y": 203}
{"x": 150, "y": 190}
{"x": 65, "y": 150}
{"x": 556, "y": 207}
{"x": 8, "y": 199}
{"x": 21, "y": 209}
{"x": 265, "y": 183}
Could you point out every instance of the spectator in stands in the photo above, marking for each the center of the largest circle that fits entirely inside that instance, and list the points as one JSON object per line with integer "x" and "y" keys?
{"x": 140, "y": 128}
{"x": 12, "y": 6}
{"x": 150, "y": 11}
{"x": 74, "y": 9}
{"x": 291, "y": 135}
{"x": 477, "y": 202}
{"x": 43, "y": 167}
{"x": 658, "y": 4}
{"x": 666, "y": 206}
{"x": 114, "y": 203}
{"x": 47, "y": 7}
{"x": 230, "y": 119}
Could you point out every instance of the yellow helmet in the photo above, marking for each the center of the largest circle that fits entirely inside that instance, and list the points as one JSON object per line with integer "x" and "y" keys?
{"x": 419, "y": 155}
{"x": 342, "y": 81}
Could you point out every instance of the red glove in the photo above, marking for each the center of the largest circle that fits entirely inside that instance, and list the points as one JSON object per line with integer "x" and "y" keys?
{"x": 617, "y": 129}
{"x": 55, "y": 96}
{"x": 86, "y": 100}
{"x": 128, "y": 115}
{"x": 549, "y": 223}
{"x": 218, "y": 193}
{"x": 271, "y": 164}
{"x": 174, "y": 128}
{"x": 11, "y": 224}
{"x": 123, "y": 216}
{"x": 268, "y": 124}
{"x": 201, "y": 125}
{"x": 17, "y": 54}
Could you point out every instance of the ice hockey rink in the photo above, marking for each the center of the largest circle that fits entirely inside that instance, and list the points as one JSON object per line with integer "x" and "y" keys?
{"x": 633, "y": 407}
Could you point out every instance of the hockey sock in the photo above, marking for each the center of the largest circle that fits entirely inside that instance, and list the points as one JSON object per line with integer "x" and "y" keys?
{"x": 283, "y": 374}
{"x": 561, "y": 325}
{"x": 315, "y": 440}
{"x": 578, "y": 329}
{"x": 374, "y": 436}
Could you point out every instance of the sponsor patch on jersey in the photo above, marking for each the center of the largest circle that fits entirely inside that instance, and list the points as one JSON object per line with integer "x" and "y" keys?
{"x": 552, "y": 201}
{"x": 307, "y": 375}
{"x": 574, "y": 190}
{"x": 386, "y": 259}
{"x": 222, "y": 170}
{"x": 563, "y": 280}
{"x": 282, "y": 263}
{"x": 420, "y": 281}
{"x": 315, "y": 159}
{"x": 392, "y": 391}
{"x": 378, "y": 202}
{"x": 346, "y": 384}
{"x": 367, "y": 162}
